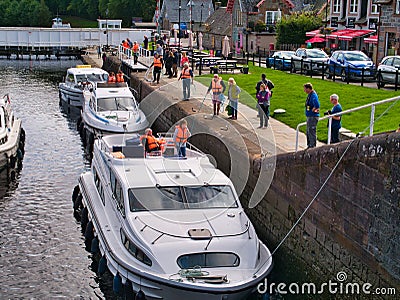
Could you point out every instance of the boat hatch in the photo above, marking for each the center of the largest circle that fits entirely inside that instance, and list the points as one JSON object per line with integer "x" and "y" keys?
{"x": 200, "y": 234}
{"x": 164, "y": 171}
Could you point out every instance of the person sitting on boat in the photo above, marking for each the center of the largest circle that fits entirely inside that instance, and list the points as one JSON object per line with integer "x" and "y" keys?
{"x": 111, "y": 78}
{"x": 149, "y": 142}
{"x": 120, "y": 76}
{"x": 180, "y": 137}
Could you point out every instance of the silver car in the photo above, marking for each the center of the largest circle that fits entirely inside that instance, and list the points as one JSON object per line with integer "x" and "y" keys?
{"x": 387, "y": 70}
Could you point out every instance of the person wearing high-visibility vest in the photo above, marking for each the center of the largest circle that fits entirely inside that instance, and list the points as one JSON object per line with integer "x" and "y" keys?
{"x": 135, "y": 49}
{"x": 218, "y": 87}
{"x": 149, "y": 142}
{"x": 111, "y": 78}
{"x": 187, "y": 77}
{"x": 120, "y": 76}
{"x": 180, "y": 138}
{"x": 157, "y": 67}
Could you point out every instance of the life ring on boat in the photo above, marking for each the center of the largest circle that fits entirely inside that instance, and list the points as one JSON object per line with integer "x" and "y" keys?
{"x": 84, "y": 218}
{"x": 89, "y": 235}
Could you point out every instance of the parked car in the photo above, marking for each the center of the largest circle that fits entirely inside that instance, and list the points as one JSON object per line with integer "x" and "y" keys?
{"x": 281, "y": 60}
{"x": 387, "y": 69}
{"x": 309, "y": 60}
{"x": 350, "y": 64}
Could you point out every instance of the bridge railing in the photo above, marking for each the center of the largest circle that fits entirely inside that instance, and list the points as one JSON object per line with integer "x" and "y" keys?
{"x": 329, "y": 117}
{"x": 125, "y": 53}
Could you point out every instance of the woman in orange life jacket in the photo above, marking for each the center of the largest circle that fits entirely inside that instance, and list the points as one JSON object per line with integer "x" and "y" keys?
{"x": 180, "y": 137}
{"x": 111, "y": 78}
{"x": 149, "y": 142}
{"x": 120, "y": 76}
{"x": 218, "y": 87}
{"x": 135, "y": 49}
{"x": 157, "y": 64}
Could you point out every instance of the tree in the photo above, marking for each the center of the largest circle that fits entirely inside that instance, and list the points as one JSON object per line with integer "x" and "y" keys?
{"x": 292, "y": 29}
{"x": 43, "y": 15}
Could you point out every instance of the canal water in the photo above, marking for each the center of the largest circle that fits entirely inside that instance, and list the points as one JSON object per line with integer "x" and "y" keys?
{"x": 42, "y": 250}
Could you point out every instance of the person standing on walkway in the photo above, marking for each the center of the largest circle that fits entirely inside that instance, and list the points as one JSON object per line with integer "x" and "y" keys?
{"x": 312, "y": 114}
{"x": 180, "y": 138}
{"x": 263, "y": 98}
{"x": 175, "y": 63}
{"x": 98, "y": 52}
{"x": 146, "y": 42}
{"x": 168, "y": 64}
{"x": 233, "y": 96}
{"x": 218, "y": 87}
{"x": 184, "y": 58}
{"x": 268, "y": 84}
{"x": 187, "y": 78}
{"x": 135, "y": 50}
{"x": 159, "y": 51}
{"x": 157, "y": 67}
{"x": 336, "y": 120}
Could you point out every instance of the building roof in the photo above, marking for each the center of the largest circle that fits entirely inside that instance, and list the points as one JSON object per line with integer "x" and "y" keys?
{"x": 170, "y": 11}
{"x": 220, "y": 22}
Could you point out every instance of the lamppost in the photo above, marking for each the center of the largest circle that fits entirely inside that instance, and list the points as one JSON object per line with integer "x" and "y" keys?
{"x": 107, "y": 26}
{"x": 179, "y": 26}
{"x": 201, "y": 13}
{"x": 326, "y": 23}
{"x": 190, "y": 4}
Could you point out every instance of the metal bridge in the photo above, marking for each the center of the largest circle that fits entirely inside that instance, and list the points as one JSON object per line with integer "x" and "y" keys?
{"x": 35, "y": 37}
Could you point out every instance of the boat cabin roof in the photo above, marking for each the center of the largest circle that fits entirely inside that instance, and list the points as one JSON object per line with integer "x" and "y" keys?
{"x": 118, "y": 89}
{"x": 138, "y": 169}
{"x": 85, "y": 71}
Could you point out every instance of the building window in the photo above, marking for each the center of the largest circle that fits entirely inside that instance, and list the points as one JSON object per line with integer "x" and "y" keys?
{"x": 374, "y": 9}
{"x": 398, "y": 7}
{"x": 271, "y": 17}
{"x": 336, "y": 6}
{"x": 353, "y": 6}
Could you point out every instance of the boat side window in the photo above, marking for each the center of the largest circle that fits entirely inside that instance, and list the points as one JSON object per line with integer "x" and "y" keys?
{"x": 135, "y": 251}
{"x": 210, "y": 196}
{"x": 71, "y": 78}
{"x": 208, "y": 260}
{"x": 98, "y": 184}
{"x": 155, "y": 198}
{"x": 118, "y": 193}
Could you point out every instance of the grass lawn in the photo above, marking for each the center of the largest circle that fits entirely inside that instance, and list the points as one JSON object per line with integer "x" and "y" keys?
{"x": 289, "y": 94}
{"x": 77, "y": 22}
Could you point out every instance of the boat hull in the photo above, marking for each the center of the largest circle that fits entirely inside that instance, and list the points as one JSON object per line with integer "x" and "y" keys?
{"x": 152, "y": 285}
{"x": 71, "y": 96}
{"x": 10, "y": 148}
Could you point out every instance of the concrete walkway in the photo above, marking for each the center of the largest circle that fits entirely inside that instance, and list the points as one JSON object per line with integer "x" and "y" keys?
{"x": 279, "y": 135}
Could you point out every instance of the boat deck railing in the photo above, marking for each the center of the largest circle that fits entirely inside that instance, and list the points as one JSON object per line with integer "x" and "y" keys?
{"x": 133, "y": 148}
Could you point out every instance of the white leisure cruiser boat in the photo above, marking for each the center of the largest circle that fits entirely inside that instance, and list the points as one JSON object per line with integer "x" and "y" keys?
{"x": 76, "y": 80}
{"x": 12, "y": 136}
{"x": 112, "y": 108}
{"x": 168, "y": 227}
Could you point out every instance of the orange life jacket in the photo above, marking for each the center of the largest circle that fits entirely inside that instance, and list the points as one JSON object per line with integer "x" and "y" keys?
{"x": 157, "y": 62}
{"x": 152, "y": 143}
{"x": 186, "y": 73}
{"x": 120, "y": 77}
{"x": 135, "y": 48}
{"x": 216, "y": 86}
{"x": 111, "y": 78}
{"x": 182, "y": 135}
{"x": 125, "y": 45}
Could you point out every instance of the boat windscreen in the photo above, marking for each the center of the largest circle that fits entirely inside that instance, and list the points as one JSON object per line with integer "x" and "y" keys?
{"x": 116, "y": 103}
{"x": 164, "y": 198}
{"x": 91, "y": 77}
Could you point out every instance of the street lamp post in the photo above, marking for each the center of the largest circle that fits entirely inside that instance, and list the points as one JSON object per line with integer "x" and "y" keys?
{"x": 326, "y": 23}
{"x": 107, "y": 26}
{"x": 179, "y": 26}
{"x": 201, "y": 13}
{"x": 190, "y": 15}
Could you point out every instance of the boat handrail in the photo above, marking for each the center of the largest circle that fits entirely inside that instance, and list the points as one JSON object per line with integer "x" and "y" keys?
{"x": 162, "y": 233}
{"x": 169, "y": 136}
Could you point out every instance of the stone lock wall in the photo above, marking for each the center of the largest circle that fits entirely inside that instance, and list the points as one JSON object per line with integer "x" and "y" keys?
{"x": 353, "y": 225}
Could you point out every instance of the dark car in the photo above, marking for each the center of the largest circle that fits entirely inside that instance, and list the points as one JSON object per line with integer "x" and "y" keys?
{"x": 281, "y": 60}
{"x": 388, "y": 71}
{"x": 350, "y": 64}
